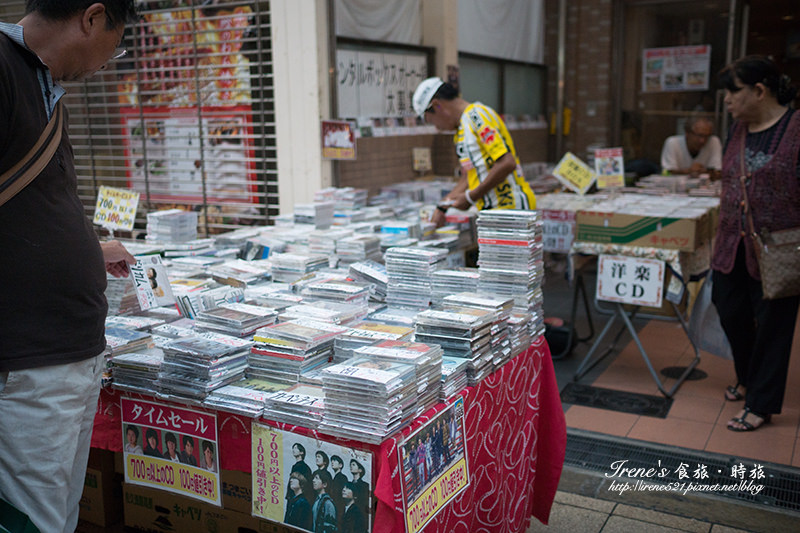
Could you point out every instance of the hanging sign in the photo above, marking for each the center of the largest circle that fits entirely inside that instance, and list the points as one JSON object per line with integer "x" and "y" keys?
{"x": 116, "y": 208}
{"x": 676, "y": 68}
{"x": 574, "y": 173}
{"x": 630, "y": 280}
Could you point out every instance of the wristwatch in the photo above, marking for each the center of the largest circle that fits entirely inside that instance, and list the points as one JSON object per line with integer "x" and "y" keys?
{"x": 442, "y": 208}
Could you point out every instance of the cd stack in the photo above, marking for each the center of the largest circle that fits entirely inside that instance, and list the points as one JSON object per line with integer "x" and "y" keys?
{"x": 284, "y": 351}
{"x": 245, "y": 397}
{"x": 137, "y": 371}
{"x": 367, "y": 400}
{"x": 141, "y": 323}
{"x": 367, "y": 334}
{"x": 194, "y": 366}
{"x": 237, "y": 319}
{"x": 510, "y": 261}
{"x": 395, "y": 316}
{"x": 172, "y": 226}
{"x": 461, "y": 332}
{"x": 409, "y": 271}
{"x": 519, "y": 332}
{"x": 454, "y": 376}
{"x": 323, "y": 241}
{"x": 325, "y": 311}
{"x": 350, "y": 198}
{"x": 191, "y": 248}
{"x": 122, "y": 340}
{"x": 426, "y": 358}
{"x": 502, "y": 307}
{"x": 240, "y": 273}
{"x": 289, "y": 267}
{"x": 358, "y": 248}
{"x": 273, "y": 295}
{"x": 341, "y": 291}
{"x": 451, "y": 281}
{"x": 374, "y": 273}
{"x": 318, "y": 214}
{"x": 299, "y": 405}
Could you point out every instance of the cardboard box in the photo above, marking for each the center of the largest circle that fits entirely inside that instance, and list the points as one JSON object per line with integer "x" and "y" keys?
{"x": 237, "y": 491}
{"x": 157, "y": 511}
{"x": 101, "y": 502}
{"x": 685, "y": 234}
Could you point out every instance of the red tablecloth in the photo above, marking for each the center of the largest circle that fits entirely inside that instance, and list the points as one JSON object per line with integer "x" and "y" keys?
{"x": 516, "y": 439}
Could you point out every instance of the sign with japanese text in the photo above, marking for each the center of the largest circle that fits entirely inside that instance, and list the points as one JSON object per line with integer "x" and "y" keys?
{"x": 116, "y": 208}
{"x": 338, "y": 140}
{"x": 558, "y": 230}
{"x": 377, "y": 84}
{"x": 609, "y": 167}
{"x": 574, "y": 173}
{"x": 151, "y": 282}
{"x": 292, "y": 473}
{"x": 171, "y": 448}
{"x": 630, "y": 280}
{"x": 433, "y": 466}
{"x": 676, "y": 68}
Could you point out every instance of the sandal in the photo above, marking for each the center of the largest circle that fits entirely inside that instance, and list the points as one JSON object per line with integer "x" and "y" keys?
{"x": 747, "y": 426}
{"x": 732, "y": 393}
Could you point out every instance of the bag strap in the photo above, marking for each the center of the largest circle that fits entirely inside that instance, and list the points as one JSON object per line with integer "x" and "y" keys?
{"x": 20, "y": 175}
{"x": 743, "y": 180}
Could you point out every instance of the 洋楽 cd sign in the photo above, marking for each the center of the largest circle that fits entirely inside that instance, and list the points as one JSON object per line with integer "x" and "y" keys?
{"x": 630, "y": 280}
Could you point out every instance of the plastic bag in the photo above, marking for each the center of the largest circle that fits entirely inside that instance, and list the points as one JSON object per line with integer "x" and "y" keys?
{"x": 704, "y": 325}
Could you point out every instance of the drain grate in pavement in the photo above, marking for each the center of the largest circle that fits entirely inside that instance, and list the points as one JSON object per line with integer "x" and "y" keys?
{"x": 730, "y": 477}
{"x": 615, "y": 400}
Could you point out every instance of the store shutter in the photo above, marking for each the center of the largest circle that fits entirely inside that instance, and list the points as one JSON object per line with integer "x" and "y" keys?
{"x": 186, "y": 117}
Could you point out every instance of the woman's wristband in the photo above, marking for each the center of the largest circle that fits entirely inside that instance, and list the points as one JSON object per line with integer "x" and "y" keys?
{"x": 469, "y": 198}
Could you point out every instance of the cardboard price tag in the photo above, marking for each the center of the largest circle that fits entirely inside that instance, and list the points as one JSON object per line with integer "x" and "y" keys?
{"x": 116, "y": 208}
{"x": 574, "y": 173}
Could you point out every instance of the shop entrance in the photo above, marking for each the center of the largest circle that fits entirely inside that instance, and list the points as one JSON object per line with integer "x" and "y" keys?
{"x": 669, "y": 53}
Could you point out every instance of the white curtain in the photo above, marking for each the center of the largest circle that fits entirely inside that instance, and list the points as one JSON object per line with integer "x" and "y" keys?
{"x": 506, "y": 29}
{"x": 394, "y": 21}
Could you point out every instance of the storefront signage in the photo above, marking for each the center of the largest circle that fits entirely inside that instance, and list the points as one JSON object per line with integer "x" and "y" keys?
{"x": 116, "y": 208}
{"x": 630, "y": 280}
{"x": 574, "y": 173}
{"x": 171, "y": 448}
{"x": 433, "y": 466}
{"x": 676, "y": 68}
{"x": 285, "y": 465}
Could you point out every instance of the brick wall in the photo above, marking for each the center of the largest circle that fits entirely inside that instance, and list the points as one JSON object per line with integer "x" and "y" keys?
{"x": 381, "y": 161}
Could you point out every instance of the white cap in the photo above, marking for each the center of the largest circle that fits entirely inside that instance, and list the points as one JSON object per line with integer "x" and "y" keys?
{"x": 424, "y": 94}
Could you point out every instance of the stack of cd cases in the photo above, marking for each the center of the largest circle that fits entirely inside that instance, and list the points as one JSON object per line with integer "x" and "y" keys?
{"x": 367, "y": 399}
{"x": 137, "y": 371}
{"x": 454, "y": 376}
{"x": 284, "y": 351}
{"x": 358, "y": 248}
{"x": 367, "y": 334}
{"x": 245, "y": 397}
{"x": 451, "y": 281}
{"x": 409, "y": 271}
{"x": 426, "y": 358}
{"x": 374, "y": 273}
{"x": 194, "y": 366}
{"x": 289, "y": 268}
{"x": 237, "y": 319}
{"x": 519, "y": 332}
{"x": 501, "y": 343}
{"x": 462, "y": 332}
{"x": 511, "y": 258}
{"x": 299, "y": 405}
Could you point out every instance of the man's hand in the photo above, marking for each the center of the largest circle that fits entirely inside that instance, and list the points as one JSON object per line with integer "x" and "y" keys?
{"x": 117, "y": 258}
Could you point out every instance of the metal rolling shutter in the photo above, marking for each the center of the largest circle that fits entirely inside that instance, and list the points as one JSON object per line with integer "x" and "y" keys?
{"x": 186, "y": 118}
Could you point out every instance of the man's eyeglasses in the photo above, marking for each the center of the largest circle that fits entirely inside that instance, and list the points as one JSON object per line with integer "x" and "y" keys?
{"x": 119, "y": 53}
{"x": 429, "y": 110}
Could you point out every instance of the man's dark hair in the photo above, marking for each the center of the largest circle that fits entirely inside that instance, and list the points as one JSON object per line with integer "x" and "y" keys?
{"x": 169, "y": 437}
{"x": 445, "y": 92}
{"x": 118, "y": 11}
{"x": 151, "y": 433}
{"x": 337, "y": 459}
{"x": 324, "y": 456}
{"x": 207, "y": 446}
{"x": 301, "y": 448}
{"x": 187, "y": 440}
{"x": 352, "y": 487}
{"x": 324, "y": 476}
{"x": 134, "y": 429}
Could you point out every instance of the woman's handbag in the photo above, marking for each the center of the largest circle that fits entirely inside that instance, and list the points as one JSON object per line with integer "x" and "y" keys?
{"x": 20, "y": 175}
{"x": 778, "y": 254}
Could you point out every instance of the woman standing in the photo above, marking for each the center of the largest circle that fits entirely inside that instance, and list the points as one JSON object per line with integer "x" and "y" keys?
{"x": 763, "y": 145}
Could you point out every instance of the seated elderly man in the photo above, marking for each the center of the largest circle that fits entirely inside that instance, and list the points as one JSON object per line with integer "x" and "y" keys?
{"x": 698, "y": 150}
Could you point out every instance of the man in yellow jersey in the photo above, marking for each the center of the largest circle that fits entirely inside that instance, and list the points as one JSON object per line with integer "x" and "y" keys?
{"x": 491, "y": 176}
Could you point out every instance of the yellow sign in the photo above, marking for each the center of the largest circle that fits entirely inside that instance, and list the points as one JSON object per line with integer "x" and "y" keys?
{"x": 116, "y": 208}
{"x": 269, "y": 477}
{"x": 436, "y": 496}
{"x": 574, "y": 173}
{"x": 174, "y": 477}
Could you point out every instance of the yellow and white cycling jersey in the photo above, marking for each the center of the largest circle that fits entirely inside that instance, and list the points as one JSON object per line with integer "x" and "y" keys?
{"x": 482, "y": 138}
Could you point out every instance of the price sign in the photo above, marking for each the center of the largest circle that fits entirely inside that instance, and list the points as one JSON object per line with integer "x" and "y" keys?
{"x": 116, "y": 208}
{"x": 574, "y": 173}
{"x": 558, "y": 230}
{"x": 630, "y": 280}
{"x": 422, "y": 159}
{"x": 610, "y": 167}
